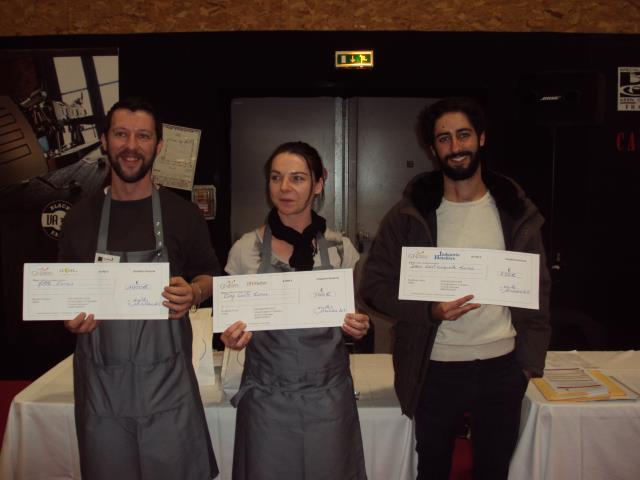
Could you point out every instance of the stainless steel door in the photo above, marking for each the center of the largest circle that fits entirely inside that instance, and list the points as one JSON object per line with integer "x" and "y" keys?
{"x": 258, "y": 126}
{"x": 388, "y": 157}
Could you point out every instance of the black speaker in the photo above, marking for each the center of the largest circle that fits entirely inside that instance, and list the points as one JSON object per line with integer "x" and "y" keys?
{"x": 562, "y": 98}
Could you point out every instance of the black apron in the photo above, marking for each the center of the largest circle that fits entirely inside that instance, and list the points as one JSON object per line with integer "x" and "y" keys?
{"x": 138, "y": 409}
{"x": 297, "y": 417}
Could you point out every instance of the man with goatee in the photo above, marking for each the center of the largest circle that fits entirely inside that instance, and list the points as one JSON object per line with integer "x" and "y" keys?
{"x": 456, "y": 357}
{"x": 138, "y": 409}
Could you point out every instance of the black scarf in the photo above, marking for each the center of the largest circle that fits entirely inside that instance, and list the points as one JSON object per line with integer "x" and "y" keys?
{"x": 303, "y": 249}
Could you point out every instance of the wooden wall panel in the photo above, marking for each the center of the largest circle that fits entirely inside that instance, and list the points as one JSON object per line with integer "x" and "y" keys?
{"x": 72, "y": 17}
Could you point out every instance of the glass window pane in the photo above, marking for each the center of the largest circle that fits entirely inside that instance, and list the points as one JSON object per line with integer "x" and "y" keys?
{"x": 106, "y": 69}
{"x": 70, "y": 73}
{"x": 110, "y": 95}
{"x": 90, "y": 135}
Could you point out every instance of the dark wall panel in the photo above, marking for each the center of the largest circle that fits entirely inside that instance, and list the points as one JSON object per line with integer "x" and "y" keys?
{"x": 575, "y": 171}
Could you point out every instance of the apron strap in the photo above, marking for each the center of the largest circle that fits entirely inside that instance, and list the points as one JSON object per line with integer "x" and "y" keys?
{"x": 323, "y": 249}
{"x": 265, "y": 252}
{"x": 158, "y": 229}
{"x": 103, "y": 233}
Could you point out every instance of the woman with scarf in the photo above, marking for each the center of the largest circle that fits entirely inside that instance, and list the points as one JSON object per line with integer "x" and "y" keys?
{"x": 296, "y": 412}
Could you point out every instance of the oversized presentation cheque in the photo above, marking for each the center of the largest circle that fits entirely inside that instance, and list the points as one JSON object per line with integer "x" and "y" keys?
{"x": 111, "y": 291}
{"x": 494, "y": 277}
{"x": 276, "y": 301}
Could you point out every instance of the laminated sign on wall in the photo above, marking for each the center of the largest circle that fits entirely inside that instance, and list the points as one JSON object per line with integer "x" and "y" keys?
{"x": 628, "y": 89}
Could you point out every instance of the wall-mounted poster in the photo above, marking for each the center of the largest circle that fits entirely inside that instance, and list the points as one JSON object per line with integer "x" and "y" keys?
{"x": 51, "y": 103}
{"x": 175, "y": 165}
{"x": 204, "y": 196}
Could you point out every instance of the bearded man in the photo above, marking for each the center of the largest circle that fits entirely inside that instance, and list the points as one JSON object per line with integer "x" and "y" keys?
{"x": 138, "y": 409}
{"x": 456, "y": 357}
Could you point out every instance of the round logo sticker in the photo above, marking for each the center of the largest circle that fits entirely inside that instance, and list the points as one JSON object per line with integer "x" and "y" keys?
{"x": 53, "y": 216}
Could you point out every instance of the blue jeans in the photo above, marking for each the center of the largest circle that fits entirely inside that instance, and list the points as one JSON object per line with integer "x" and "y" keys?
{"x": 491, "y": 391}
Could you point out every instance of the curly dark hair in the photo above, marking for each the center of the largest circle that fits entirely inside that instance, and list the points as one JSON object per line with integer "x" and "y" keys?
{"x": 429, "y": 116}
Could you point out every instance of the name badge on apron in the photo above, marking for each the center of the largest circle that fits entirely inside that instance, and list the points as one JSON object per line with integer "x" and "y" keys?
{"x": 106, "y": 258}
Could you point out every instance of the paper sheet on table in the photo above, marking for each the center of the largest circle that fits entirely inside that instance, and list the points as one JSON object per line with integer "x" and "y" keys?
{"x": 580, "y": 385}
{"x": 568, "y": 359}
{"x": 571, "y": 384}
{"x": 275, "y": 301}
{"x": 111, "y": 291}
{"x": 628, "y": 380}
{"x": 493, "y": 277}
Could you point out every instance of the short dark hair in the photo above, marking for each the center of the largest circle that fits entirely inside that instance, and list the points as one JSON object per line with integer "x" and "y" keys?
{"x": 134, "y": 104}
{"x": 304, "y": 150}
{"x": 429, "y": 116}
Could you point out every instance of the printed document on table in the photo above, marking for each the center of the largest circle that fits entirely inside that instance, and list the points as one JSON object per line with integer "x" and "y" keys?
{"x": 578, "y": 384}
{"x": 111, "y": 291}
{"x": 276, "y": 301}
{"x": 493, "y": 277}
{"x": 571, "y": 382}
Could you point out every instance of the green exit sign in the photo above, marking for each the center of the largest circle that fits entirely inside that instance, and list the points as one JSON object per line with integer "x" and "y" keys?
{"x": 354, "y": 59}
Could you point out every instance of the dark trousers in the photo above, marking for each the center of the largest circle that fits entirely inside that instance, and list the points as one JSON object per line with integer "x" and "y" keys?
{"x": 491, "y": 391}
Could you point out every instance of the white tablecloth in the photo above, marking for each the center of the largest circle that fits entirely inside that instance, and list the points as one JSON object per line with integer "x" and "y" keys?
{"x": 593, "y": 440}
{"x": 588, "y": 440}
{"x": 40, "y": 441}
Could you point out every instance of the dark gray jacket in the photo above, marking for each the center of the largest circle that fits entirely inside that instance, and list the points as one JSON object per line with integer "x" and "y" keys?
{"x": 412, "y": 222}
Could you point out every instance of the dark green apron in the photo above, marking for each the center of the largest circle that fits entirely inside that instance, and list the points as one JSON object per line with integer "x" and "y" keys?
{"x": 297, "y": 417}
{"x": 138, "y": 409}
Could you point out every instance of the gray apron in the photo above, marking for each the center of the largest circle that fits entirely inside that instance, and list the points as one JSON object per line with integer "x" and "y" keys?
{"x": 138, "y": 409}
{"x": 297, "y": 417}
